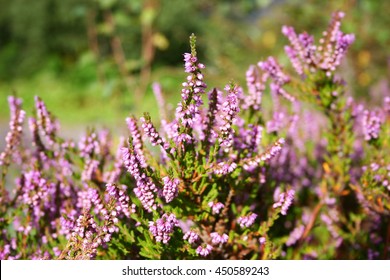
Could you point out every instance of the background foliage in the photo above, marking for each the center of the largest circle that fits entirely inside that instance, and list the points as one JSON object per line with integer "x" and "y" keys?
{"x": 81, "y": 54}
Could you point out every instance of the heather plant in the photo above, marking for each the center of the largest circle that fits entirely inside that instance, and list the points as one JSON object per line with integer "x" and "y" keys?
{"x": 221, "y": 177}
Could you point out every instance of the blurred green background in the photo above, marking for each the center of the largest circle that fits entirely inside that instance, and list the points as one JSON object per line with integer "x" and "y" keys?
{"x": 93, "y": 61}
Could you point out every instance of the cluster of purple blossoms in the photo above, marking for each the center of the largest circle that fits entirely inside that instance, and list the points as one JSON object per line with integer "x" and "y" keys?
{"x": 247, "y": 221}
{"x": 146, "y": 189}
{"x": 89, "y": 198}
{"x": 163, "y": 227}
{"x": 302, "y": 50}
{"x": 120, "y": 201}
{"x": 248, "y": 139}
{"x": 151, "y": 132}
{"x": 86, "y": 228}
{"x": 191, "y": 236}
{"x": 216, "y": 206}
{"x": 277, "y": 122}
{"x": 305, "y": 56}
{"x": 285, "y": 201}
{"x": 229, "y": 111}
{"x": 278, "y": 77}
{"x": 89, "y": 145}
{"x": 207, "y": 132}
{"x": 218, "y": 239}
{"x": 5, "y": 252}
{"x": 170, "y": 189}
{"x": 153, "y": 135}
{"x": 112, "y": 176}
{"x": 256, "y": 87}
{"x": 224, "y": 168}
{"x": 35, "y": 192}
{"x": 157, "y": 90}
{"x": 187, "y": 110}
{"x": 48, "y": 126}
{"x": 274, "y": 71}
{"x": 90, "y": 168}
{"x": 85, "y": 232}
{"x": 272, "y": 152}
{"x": 262, "y": 240}
{"x": 371, "y": 123}
{"x": 67, "y": 224}
{"x": 14, "y": 136}
{"x": 204, "y": 250}
{"x": 330, "y": 221}
{"x": 295, "y": 235}
{"x": 136, "y": 138}
{"x": 380, "y": 173}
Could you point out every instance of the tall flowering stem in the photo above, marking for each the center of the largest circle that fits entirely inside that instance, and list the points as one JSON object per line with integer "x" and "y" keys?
{"x": 187, "y": 111}
{"x": 146, "y": 190}
{"x": 228, "y": 116}
{"x": 317, "y": 65}
{"x": 13, "y": 139}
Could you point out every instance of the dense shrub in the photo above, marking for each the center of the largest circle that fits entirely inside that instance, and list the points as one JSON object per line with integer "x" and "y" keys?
{"x": 220, "y": 180}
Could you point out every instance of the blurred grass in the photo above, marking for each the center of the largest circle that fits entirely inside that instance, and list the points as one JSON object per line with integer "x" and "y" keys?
{"x": 230, "y": 37}
{"x": 94, "y": 103}
{"x": 91, "y": 104}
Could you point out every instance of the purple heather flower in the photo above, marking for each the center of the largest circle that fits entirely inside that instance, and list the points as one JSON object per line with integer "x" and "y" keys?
{"x": 151, "y": 132}
{"x": 247, "y": 221}
{"x": 228, "y": 114}
{"x": 170, "y": 189}
{"x": 90, "y": 168}
{"x": 89, "y": 146}
{"x": 208, "y": 133}
{"x": 56, "y": 251}
{"x": 302, "y": 50}
{"x": 134, "y": 133}
{"x": 256, "y": 86}
{"x": 112, "y": 176}
{"x": 191, "y": 236}
{"x": 204, "y": 250}
{"x": 163, "y": 227}
{"x": 262, "y": 240}
{"x": 121, "y": 199}
{"x": 372, "y": 254}
{"x": 218, "y": 239}
{"x": 255, "y": 137}
{"x": 136, "y": 139}
{"x": 276, "y": 123}
{"x": 295, "y": 235}
{"x": 294, "y": 59}
{"x": 330, "y": 221}
{"x": 305, "y": 56}
{"x": 285, "y": 201}
{"x": 224, "y": 168}
{"x": 156, "y": 87}
{"x": 14, "y": 136}
{"x": 274, "y": 70}
{"x": 272, "y": 152}
{"x": 187, "y": 111}
{"x": 46, "y": 123}
{"x": 35, "y": 191}
{"x": 146, "y": 189}
{"x": 86, "y": 233}
{"x": 371, "y": 123}
{"x": 386, "y": 101}
{"x": 248, "y": 140}
{"x": 216, "y": 207}
{"x": 278, "y": 77}
{"x": 334, "y": 44}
